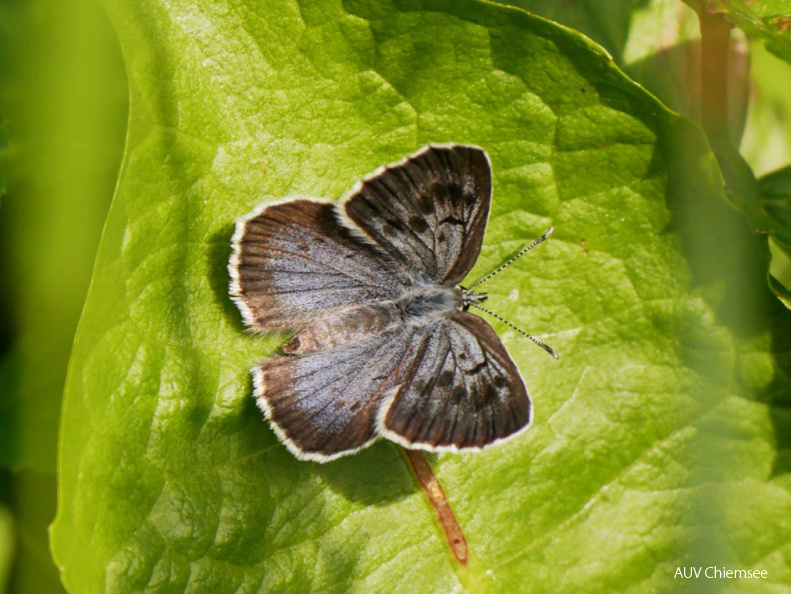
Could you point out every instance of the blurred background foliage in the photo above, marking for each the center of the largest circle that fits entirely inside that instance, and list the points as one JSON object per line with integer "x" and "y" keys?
{"x": 63, "y": 102}
{"x": 63, "y": 113}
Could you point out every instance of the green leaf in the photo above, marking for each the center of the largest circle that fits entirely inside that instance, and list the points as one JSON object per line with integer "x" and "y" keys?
{"x": 658, "y": 44}
{"x": 608, "y": 24}
{"x": 3, "y": 153}
{"x": 780, "y": 270}
{"x": 6, "y": 546}
{"x": 775, "y": 206}
{"x": 663, "y": 414}
{"x": 775, "y": 200}
{"x": 767, "y": 138}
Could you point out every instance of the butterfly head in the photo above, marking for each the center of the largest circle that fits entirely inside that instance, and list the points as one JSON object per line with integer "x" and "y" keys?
{"x": 469, "y": 298}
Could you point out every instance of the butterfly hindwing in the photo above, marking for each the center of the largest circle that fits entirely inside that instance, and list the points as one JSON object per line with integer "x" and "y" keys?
{"x": 429, "y": 212}
{"x": 293, "y": 264}
{"x": 463, "y": 390}
{"x": 325, "y": 404}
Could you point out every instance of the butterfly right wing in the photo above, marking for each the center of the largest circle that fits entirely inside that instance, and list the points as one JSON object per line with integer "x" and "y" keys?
{"x": 428, "y": 212}
{"x": 463, "y": 391}
{"x": 294, "y": 264}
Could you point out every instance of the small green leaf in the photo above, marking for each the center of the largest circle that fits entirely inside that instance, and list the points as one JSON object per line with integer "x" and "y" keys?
{"x": 6, "y": 546}
{"x": 775, "y": 192}
{"x": 775, "y": 203}
{"x": 780, "y": 270}
{"x": 663, "y": 414}
{"x": 767, "y": 137}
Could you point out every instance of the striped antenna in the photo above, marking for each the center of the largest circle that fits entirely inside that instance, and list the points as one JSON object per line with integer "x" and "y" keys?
{"x": 519, "y": 255}
{"x": 522, "y": 332}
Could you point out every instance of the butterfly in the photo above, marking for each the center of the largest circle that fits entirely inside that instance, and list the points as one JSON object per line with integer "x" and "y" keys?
{"x": 383, "y": 343}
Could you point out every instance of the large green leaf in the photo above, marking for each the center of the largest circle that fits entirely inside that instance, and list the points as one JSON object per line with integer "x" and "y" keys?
{"x": 659, "y": 418}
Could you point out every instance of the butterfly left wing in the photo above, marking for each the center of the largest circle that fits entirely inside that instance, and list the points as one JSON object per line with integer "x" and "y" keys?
{"x": 428, "y": 213}
{"x": 294, "y": 264}
{"x": 462, "y": 392}
{"x": 324, "y": 404}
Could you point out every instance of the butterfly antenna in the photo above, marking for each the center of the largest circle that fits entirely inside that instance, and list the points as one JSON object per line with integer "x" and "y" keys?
{"x": 519, "y": 255}
{"x": 522, "y": 332}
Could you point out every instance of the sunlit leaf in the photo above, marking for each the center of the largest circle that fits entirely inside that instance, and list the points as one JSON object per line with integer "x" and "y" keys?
{"x": 661, "y": 417}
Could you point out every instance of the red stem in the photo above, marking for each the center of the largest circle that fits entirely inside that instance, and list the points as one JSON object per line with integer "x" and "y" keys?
{"x": 430, "y": 484}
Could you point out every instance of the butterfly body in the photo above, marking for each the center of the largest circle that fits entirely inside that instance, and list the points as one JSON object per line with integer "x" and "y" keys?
{"x": 384, "y": 345}
{"x": 419, "y": 305}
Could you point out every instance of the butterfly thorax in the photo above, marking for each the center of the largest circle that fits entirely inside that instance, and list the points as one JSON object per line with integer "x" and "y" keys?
{"x": 424, "y": 303}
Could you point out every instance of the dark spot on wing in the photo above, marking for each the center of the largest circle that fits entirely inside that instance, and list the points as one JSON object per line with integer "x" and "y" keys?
{"x": 458, "y": 394}
{"x": 499, "y": 381}
{"x": 417, "y": 224}
{"x": 445, "y": 379}
{"x": 457, "y": 195}
{"x": 425, "y": 205}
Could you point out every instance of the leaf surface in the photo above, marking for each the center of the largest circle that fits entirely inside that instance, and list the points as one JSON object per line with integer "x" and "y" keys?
{"x": 658, "y": 417}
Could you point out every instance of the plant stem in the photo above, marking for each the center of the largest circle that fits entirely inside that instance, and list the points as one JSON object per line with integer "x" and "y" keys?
{"x": 430, "y": 484}
{"x": 715, "y": 34}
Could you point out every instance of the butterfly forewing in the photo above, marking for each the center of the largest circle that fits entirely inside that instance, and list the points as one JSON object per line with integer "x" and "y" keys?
{"x": 294, "y": 263}
{"x": 428, "y": 213}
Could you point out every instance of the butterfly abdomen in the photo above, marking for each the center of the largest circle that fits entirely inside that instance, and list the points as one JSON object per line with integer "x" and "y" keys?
{"x": 416, "y": 307}
{"x": 344, "y": 327}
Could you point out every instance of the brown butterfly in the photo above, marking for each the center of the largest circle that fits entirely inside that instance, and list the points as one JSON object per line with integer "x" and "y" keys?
{"x": 384, "y": 344}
